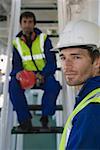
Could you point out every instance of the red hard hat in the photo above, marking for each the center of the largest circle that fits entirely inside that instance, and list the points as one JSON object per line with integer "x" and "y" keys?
{"x": 26, "y": 78}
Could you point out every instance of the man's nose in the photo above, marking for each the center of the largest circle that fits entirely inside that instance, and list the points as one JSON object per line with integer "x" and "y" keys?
{"x": 27, "y": 24}
{"x": 68, "y": 65}
{"x": 68, "y": 62}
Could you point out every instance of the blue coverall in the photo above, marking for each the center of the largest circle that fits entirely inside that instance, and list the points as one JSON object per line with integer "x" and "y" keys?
{"x": 85, "y": 133}
{"x": 51, "y": 87}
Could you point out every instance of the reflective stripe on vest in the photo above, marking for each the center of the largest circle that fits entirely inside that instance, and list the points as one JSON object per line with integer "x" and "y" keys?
{"x": 94, "y": 97}
{"x": 37, "y": 52}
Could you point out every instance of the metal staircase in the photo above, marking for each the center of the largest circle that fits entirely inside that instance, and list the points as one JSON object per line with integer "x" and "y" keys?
{"x": 16, "y": 139}
{"x": 39, "y": 129}
{"x": 47, "y": 139}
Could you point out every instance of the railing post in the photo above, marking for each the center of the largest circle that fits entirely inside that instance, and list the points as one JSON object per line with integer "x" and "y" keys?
{"x": 6, "y": 113}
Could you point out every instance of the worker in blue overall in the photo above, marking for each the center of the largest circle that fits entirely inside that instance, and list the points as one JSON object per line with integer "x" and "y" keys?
{"x": 79, "y": 52}
{"x": 31, "y": 52}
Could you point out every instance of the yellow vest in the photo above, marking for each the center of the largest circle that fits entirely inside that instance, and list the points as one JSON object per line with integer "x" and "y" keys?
{"x": 88, "y": 99}
{"x": 37, "y": 53}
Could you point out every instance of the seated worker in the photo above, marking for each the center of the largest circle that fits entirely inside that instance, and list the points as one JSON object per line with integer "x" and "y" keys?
{"x": 31, "y": 51}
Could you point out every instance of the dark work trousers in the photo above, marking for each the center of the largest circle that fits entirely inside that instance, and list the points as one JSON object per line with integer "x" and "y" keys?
{"x": 51, "y": 89}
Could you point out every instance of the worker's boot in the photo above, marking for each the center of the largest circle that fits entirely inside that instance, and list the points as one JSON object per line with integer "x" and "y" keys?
{"x": 25, "y": 125}
{"x": 44, "y": 121}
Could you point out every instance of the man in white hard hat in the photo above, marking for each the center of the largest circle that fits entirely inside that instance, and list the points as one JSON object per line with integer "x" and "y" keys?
{"x": 80, "y": 59}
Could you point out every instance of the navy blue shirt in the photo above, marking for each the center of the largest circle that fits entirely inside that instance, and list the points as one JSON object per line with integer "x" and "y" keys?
{"x": 85, "y": 133}
{"x": 50, "y": 67}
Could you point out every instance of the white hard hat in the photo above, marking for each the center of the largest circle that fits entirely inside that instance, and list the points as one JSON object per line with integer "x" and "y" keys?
{"x": 77, "y": 33}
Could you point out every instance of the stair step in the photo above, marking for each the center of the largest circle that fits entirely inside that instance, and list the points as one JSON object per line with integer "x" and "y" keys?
{"x": 53, "y": 36}
{"x": 39, "y": 107}
{"x": 47, "y": 21}
{"x": 38, "y": 8}
{"x": 38, "y": 130}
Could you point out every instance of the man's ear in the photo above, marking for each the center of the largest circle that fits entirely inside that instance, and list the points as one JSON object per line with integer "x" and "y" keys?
{"x": 96, "y": 66}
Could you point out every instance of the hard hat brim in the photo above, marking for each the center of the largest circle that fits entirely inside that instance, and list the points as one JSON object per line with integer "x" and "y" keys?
{"x": 59, "y": 47}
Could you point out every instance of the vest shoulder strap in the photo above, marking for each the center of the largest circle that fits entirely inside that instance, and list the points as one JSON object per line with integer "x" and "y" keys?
{"x": 18, "y": 46}
{"x": 42, "y": 41}
{"x": 92, "y": 97}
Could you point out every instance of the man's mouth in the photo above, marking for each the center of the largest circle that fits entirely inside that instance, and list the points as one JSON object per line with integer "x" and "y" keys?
{"x": 70, "y": 73}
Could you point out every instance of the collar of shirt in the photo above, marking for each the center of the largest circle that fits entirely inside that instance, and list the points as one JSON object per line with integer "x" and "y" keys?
{"x": 91, "y": 84}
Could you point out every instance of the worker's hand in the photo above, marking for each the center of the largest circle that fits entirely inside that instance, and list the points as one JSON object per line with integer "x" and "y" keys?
{"x": 27, "y": 79}
{"x": 39, "y": 79}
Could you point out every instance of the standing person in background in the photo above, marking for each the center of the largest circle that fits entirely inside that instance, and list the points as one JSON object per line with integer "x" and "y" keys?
{"x": 31, "y": 52}
{"x": 80, "y": 58}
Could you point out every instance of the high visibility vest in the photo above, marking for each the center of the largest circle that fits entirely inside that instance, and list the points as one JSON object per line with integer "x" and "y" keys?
{"x": 93, "y": 97}
{"x": 37, "y": 53}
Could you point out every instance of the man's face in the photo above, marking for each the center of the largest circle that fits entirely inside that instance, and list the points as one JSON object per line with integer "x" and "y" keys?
{"x": 27, "y": 25}
{"x": 76, "y": 65}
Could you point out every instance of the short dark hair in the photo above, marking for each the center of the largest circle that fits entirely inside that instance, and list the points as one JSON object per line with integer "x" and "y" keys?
{"x": 28, "y": 14}
{"x": 94, "y": 54}
{"x": 93, "y": 51}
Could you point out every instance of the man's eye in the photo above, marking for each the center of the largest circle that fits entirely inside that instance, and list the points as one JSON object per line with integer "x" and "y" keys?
{"x": 77, "y": 57}
{"x": 24, "y": 21}
{"x": 30, "y": 21}
{"x": 62, "y": 58}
